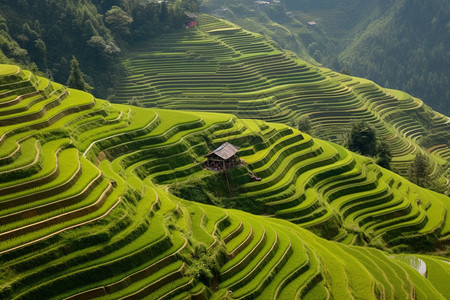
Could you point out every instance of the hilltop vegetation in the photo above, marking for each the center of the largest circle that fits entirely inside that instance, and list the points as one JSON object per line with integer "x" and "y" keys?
{"x": 45, "y": 35}
{"x": 398, "y": 44}
{"x": 86, "y": 212}
{"x": 220, "y": 67}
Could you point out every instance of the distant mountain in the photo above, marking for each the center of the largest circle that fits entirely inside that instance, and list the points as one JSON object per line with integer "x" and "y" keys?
{"x": 407, "y": 47}
{"x": 398, "y": 44}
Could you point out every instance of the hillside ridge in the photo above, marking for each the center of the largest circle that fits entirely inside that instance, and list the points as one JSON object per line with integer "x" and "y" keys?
{"x": 212, "y": 68}
{"x": 87, "y": 213}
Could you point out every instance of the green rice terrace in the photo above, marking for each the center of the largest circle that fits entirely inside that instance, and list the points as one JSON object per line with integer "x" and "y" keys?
{"x": 219, "y": 67}
{"x": 94, "y": 203}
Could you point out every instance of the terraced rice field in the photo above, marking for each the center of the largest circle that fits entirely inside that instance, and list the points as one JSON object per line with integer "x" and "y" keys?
{"x": 86, "y": 212}
{"x": 219, "y": 67}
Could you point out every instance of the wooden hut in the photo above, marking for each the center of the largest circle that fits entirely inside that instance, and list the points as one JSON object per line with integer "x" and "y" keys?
{"x": 223, "y": 157}
{"x": 191, "y": 19}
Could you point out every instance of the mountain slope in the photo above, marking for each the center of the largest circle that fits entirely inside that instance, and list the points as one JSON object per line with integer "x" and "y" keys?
{"x": 86, "y": 213}
{"x": 398, "y": 44}
{"x": 406, "y": 47}
{"x": 46, "y": 34}
{"x": 220, "y": 67}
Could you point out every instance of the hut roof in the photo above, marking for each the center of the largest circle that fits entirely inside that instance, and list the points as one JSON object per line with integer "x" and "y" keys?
{"x": 225, "y": 151}
{"x": 190, "y": 15}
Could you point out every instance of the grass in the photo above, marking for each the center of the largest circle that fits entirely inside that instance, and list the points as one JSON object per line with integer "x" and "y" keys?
{"x": 126, "y": 232}
{"x": 324, "y": 180}
{"x": 6, "y": 70}
{"x": 219, "y": 67}
{"x": 27, "y": 158}
{"x": 245, "y": 236}
{"x": 259, "y": 259}
{"x": 289, "y": 271}
{"x": 438, "y": 272}
{"x": 245, "y": 255}
{"x": 264, "y": 272}
{"x": 64, "y": 167}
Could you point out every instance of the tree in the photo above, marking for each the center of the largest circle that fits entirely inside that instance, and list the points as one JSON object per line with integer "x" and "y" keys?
{"x": 118, "y": 21}
{"x": 362, "y": 139}
{"x": 163, "y": 12}
{"x": 135, "y": 102}
{"x": 317, "y": 56}
{"x": 345, "y": 71}
{"x": 304, "y": 124}
{"x": 103, "y": 47}
{"x": 76, "y": 80}
{"x": 3, "y": 25}
{"x": 420, "y": 171}
{"x": 190, "y": 5}
{"x": 384, "y": 155}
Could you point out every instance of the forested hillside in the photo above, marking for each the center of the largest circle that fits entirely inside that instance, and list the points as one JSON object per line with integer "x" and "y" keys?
{"x": 407, "y": 47}
{"x": 45, "y": 35}
{"x": 398, "y": 44}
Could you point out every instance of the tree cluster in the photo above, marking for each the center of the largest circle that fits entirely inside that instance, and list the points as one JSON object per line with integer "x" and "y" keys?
{"x": 46, "y": 34}
{"x": 76, "y": 80}
{"x": 420, "y": 171}
{"x": 363, "y": 139}
{"x": 10, "y": 50}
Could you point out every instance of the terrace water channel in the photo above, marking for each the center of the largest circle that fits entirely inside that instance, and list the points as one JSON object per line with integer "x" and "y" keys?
{"x": 414, "y": 262}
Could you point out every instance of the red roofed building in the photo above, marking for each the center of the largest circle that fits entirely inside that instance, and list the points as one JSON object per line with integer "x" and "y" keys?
{"x": 191, "y": 19}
